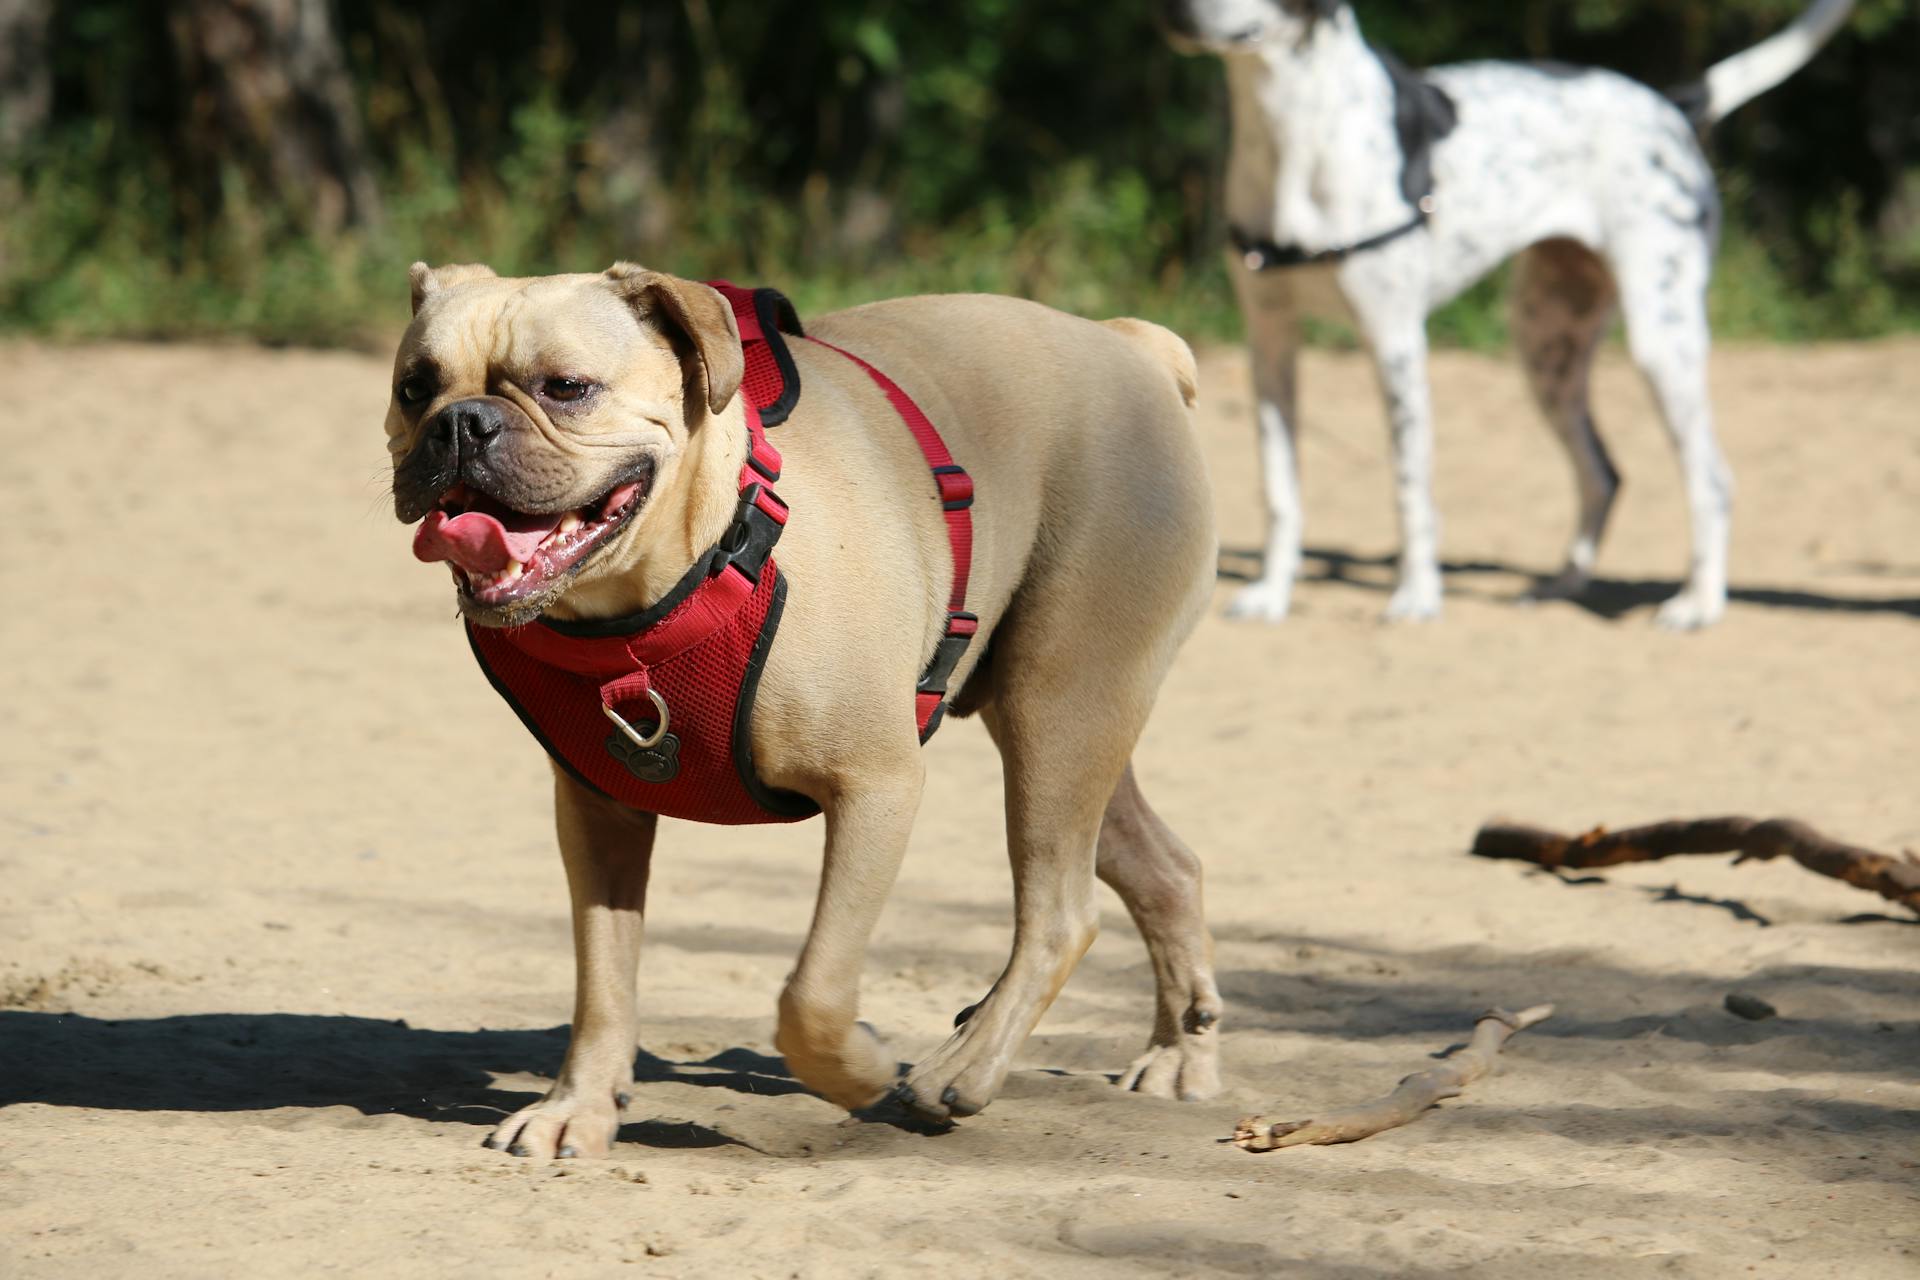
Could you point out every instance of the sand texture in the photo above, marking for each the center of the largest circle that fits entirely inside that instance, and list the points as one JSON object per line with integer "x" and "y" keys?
{"x": 283, "y": 931}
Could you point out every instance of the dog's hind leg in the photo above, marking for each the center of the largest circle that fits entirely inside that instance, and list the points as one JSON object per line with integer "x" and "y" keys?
{"x": 1563, "y": 302}
{"x": 1062, "y": 756}
{"x": 1159, "y": 878}
{"x": 1664, "y": 296}
{"x": 1077, "y": 661}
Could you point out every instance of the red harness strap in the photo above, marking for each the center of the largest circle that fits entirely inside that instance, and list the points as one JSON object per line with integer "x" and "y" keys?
{"x": 956, "y": 500}
{"x": 676, "y": 683}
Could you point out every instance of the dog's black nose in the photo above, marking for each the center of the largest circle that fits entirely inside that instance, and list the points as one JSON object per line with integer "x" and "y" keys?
{"x": 471, "y": 425}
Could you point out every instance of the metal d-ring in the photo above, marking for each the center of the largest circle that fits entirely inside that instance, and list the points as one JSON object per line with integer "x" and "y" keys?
{"x": 633, "y": 734}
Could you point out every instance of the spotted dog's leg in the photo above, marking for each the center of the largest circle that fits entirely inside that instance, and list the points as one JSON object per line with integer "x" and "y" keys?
{"x": 608, "y": 850}
{"x": 1663, "y": 294}
{"x": 1273, "y": 335}
{"x": 819, "y": 1033}
{"x": 1563, "y": 301}
{"x": 1158, "y": 879}
{"x": 1392, "y": 318}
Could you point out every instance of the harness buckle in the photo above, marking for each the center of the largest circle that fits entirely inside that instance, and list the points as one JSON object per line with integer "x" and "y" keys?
{"x": 757, "y": 524}
{"x": 961, "y": 628}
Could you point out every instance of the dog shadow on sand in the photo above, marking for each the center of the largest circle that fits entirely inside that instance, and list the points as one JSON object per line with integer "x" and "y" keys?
{"x": 1609, "y": 598}
{"x": 220, "y": 1062}
{"x": 1305, "y": 1011}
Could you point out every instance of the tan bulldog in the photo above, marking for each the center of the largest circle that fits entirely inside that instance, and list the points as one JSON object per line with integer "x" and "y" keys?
{"x": 597, "y": 422}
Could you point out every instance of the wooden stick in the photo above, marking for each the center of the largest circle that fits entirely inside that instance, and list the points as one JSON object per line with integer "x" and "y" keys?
{"x": 1891, "y": 877}
{"x": 1414, "y": 1095}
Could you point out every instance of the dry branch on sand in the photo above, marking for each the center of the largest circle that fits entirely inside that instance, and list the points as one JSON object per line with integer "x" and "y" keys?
{"x": 1895, "y": 878}
{"x": 1414, "y": 1095}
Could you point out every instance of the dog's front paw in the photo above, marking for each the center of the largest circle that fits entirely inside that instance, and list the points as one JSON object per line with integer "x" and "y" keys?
{"x": 563, "y": 1127}
{"x": 1691, "y": 610}
{"x": 1265, "y": 600}
{"x": 853, "y": 1069}
{"x": 959, "y": 1079}
{"x": 1414, "y": 600}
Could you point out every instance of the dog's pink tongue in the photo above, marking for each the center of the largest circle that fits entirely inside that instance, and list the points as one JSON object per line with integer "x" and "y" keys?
{"x": 481, "y": 542}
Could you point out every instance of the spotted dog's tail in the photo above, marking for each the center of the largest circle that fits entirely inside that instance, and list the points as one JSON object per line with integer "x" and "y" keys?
{"x": 1736, "y": 81}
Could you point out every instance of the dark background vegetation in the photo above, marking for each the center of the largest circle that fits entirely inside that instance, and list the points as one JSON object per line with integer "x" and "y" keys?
{"x": 268, "y": 167}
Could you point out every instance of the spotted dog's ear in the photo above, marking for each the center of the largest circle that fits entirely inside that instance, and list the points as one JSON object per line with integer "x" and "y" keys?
{"x": 697, "y": 313}
{"x": 1327, "y": 8}
{"x": 425, "y": 279}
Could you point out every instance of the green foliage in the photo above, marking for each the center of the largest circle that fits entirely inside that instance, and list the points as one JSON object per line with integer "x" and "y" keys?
{"x": 851, "y": 149}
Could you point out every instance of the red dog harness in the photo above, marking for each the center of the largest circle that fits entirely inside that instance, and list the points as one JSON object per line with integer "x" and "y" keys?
{"x": 655, "y": 710}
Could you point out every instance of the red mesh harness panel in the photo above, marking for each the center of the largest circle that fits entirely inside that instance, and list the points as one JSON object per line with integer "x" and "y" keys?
{"x": 595, "y": 693}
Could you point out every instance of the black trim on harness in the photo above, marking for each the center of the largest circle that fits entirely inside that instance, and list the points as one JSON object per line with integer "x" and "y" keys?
{"x": 785, "y": 803}
{"x": 777, "y": 317}
{"x": 609, "y": 628}
{"x": 526, "y": 719}
{"x": 747, "y": 543}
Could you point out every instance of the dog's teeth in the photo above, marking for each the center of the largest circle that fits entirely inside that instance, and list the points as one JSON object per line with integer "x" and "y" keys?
{"x": 513, "y": 570}
{"x": 568, "y": 523}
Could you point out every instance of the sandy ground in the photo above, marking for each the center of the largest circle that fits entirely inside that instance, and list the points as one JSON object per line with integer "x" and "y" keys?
{"x": 282, "y": 930}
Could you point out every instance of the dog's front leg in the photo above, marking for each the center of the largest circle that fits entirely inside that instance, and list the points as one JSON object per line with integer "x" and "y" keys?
{"x": 819, "y": 1034}
{"x": 1394, "y": 324}
{"x": 608, "y": 850}
{"x": 1273, "y": 333}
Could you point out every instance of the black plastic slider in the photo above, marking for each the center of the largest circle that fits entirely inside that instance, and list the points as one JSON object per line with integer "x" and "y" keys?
{"x": 956, "y": 488}
{"x": 749, "y": 540}
{"x": 961, "y": 628}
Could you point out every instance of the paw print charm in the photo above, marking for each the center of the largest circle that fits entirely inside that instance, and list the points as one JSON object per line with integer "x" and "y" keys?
{"x": 658, "y": 763}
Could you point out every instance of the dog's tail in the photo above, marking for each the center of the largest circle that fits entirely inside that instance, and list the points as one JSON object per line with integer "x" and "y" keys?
{"x": 1736, "y": 81}
{"x": 1168, "y": 348}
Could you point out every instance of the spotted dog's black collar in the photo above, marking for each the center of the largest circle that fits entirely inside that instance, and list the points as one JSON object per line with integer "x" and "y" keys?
{"x": 1265, "y": 255}
{"x": 1423, "y": 114}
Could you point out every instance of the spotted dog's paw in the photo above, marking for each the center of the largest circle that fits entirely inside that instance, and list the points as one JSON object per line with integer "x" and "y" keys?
{"x": 1266, "y": 600}
{"x": 1415, "y": 600}
{"x": 1690, "y": 611}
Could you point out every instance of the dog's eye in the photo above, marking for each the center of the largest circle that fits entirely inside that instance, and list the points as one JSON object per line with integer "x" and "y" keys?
{"x": 415, "y": 388}
{"x": 565, "y": 389}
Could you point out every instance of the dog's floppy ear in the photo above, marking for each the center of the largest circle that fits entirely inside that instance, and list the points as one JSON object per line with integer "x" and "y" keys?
{"x": 1326, "y": 8}
{"x": 699, "y": 313}
{"x": 426, "y": 279}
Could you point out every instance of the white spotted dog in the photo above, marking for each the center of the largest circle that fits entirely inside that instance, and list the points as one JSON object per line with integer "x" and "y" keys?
{"x": 1357, "y": 184}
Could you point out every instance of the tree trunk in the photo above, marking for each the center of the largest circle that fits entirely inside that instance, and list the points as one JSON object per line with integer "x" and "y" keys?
{"x": 267, "y": 90}
{"x": 26, "y": 82}
{"x": 625, "y": 152}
